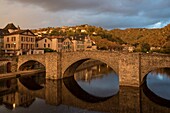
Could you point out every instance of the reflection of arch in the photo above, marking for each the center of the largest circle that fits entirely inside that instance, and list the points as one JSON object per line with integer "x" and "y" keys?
{"x": 153, "y": 97}
{"x": 70, "y": 70}
{"x": 30, "y": 83}
{"x": 31, "y": 64}
{"x": 77, "y": 91}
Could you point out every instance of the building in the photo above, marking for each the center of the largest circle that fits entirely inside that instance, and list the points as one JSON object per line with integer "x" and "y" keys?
{"x": 1, "y": 42}
{"x": 42, "y": 43}
{"x": 89, "y": 44}
{"x": 78, "y": 43}
{"x": 19, "y": 42}
{"x": 83, "y": 43}
{"x": 73, "y": 43}
{"x": 61, "y": 44}
{"x": 3, "y": 32}
{"x": 9, "y": 28}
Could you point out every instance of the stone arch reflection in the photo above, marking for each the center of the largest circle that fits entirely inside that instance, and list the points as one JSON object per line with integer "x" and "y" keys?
{"x": 72, "y": 85}
{"x": 31, "y": 64}
{"x": 35, "y": 82}
{"x": 153, "y": 97}
{"x": 156, "y": 86}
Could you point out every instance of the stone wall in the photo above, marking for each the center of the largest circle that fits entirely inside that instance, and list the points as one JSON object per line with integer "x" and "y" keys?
{"x": 52, "y": 65}
{"x": 36, "y": 57}
{"x": 129, "y": 69}
{"x": 3, "y": 67}
{"x": 12, "y": 67}
{"x": 151, "y": 62}
{"x": 70, "y": 58}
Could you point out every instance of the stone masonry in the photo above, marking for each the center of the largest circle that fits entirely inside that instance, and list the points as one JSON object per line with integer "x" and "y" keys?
{"x": 130, "y": 67}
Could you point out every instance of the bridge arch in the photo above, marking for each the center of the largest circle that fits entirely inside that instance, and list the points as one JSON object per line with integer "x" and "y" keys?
{"x": 149, "y": 70}
{"x": 72, "y": 68}
{"x": 22, "y": 60}
{"x": 71, "y": 61}
{"x": 31, "y": 64}
{"x": 150, "y": 62}
{"x": 70, "y": 64}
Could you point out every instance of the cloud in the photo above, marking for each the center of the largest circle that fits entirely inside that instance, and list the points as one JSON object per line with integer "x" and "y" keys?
{"x": 105, "y": 13}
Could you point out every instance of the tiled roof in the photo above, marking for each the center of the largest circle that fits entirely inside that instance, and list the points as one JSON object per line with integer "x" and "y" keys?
{"x": 3, "y": 32}
{"x": 10, "y": 26}
{"x": 21, "y": 32}
{"x": 38, "y": 39}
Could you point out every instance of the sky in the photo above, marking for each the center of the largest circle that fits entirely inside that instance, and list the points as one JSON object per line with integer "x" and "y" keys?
{"x": 109, "y": 14}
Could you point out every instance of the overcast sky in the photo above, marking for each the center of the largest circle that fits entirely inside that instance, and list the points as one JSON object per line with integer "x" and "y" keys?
{"x": 108, "y": 14}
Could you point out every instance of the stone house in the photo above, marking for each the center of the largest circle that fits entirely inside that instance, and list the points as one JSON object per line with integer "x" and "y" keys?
{"x": 19, "y": 42}
{"x": 42, "y": 43}
{"x": 61, "y": 44}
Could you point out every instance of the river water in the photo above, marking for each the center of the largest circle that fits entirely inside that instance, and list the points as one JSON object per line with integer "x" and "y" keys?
{"x": 91, "y": 90}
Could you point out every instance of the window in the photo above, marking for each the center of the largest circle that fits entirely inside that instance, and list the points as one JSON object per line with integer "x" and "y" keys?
{"x": 7, "y": 45}
{"x": 45, "y": 40}
{"x": 48, "y": 45}
{"x": 32, "y": 39}
{"x": 22, "y": 46}
{"x": 32, "y": 46}
{"x": 22, "y": 38}
{"x": 7, "y": 39}
{"x": 44, "y": 45}
{"x": 14, "y": 38}
{"x": 26, "y": 46}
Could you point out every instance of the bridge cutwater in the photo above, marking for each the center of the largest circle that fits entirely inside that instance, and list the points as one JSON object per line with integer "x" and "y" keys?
{"x": 130, "y": 67}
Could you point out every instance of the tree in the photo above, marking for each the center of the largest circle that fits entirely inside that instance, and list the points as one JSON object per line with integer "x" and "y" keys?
{"x": 49, "y": 50}
{"x": 55, "y": 33}
{"x": 145, "y": 47}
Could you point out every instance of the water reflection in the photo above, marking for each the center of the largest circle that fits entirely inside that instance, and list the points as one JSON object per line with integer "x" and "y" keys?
{"x": 98, "y": 80}
{"x": 77, "y": 91}
{"x": 158, "y": 81}
{"x": 33, "y": 82}
{"x": 56, "y": 96}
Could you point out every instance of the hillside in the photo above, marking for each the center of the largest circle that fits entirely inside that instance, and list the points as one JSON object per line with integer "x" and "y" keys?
{"x": 106, "y": 39}
{"x": 154, "y": 37}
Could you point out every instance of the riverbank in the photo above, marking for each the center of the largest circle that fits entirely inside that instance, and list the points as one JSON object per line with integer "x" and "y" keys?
{"x": 20, "y": 73}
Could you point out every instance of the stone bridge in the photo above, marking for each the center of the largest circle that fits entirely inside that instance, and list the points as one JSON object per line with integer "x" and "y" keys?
{"x": 130, "y": 67}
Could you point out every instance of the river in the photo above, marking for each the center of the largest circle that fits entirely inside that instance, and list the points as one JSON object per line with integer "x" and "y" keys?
{"x": 91, "y": 90}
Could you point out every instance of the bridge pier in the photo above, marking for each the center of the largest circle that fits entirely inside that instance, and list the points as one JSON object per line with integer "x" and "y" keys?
{"x": 53, "y": 94}
{"x": 129, "y": 70}
{"x": 53, "y": 66}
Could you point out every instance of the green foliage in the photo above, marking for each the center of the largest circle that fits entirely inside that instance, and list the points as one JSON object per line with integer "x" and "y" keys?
{"x": 55, "y": 33}
{"x": 145, "y": 47}
{"x": 48, "y": 50}
{"x": 142, "y": 39}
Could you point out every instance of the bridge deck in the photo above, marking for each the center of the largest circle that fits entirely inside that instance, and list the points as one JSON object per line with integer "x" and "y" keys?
{"x": 20, "y": 73}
